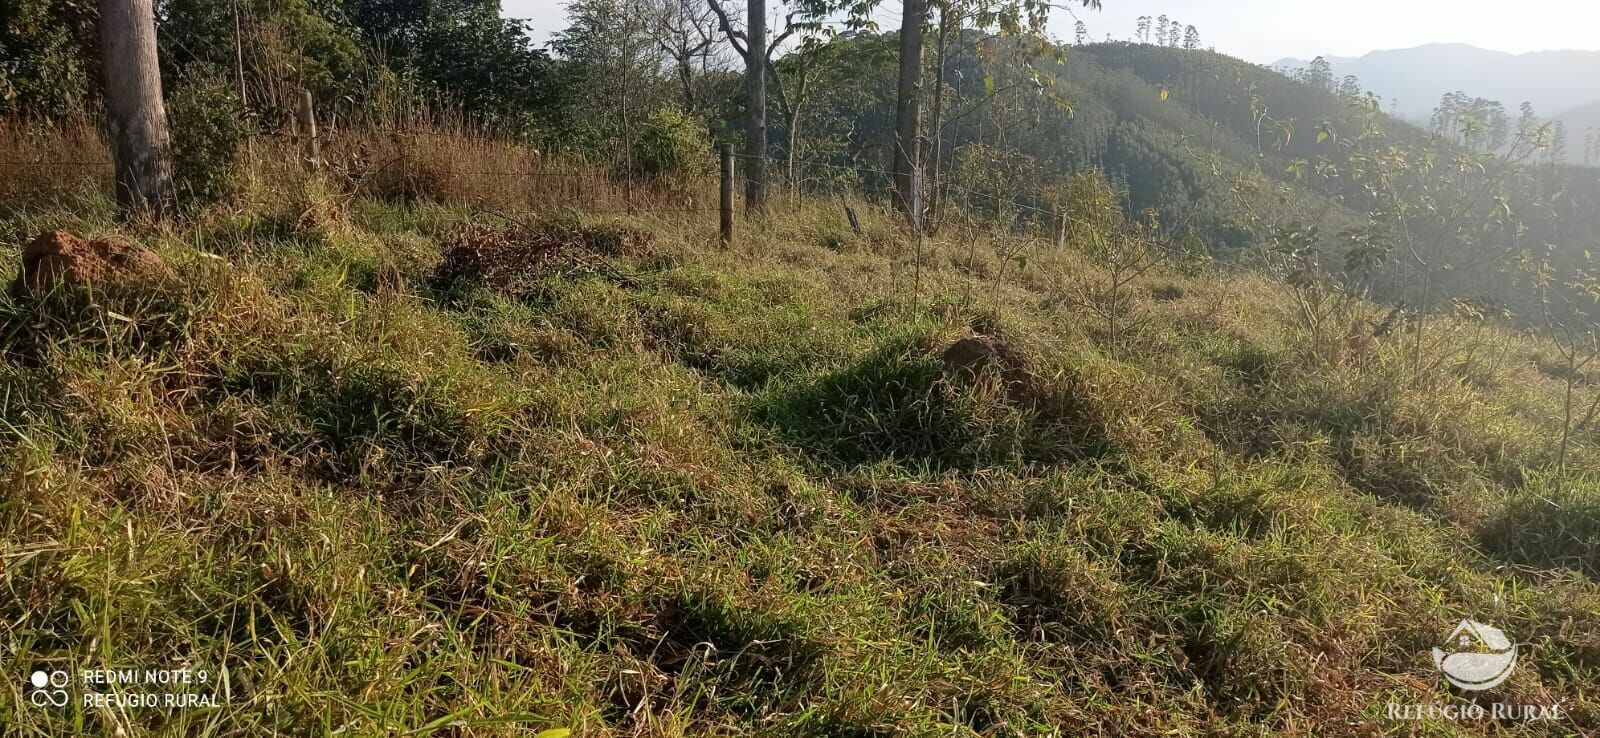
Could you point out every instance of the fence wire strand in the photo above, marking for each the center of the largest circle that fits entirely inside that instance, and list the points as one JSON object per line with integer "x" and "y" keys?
{"x": 949, "y": 188}
{"x": 855, "y": 170}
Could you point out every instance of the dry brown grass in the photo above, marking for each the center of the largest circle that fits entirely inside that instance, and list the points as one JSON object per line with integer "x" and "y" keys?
{"x": 43, "y": 164}
{"x": 52, "y": 161}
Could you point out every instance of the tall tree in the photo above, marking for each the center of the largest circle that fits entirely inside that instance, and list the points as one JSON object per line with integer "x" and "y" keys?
{"x": 616, "y": 66}
{"x": 755, "y": 81}
{"x": 1319, "y": 74}
{"x": 1080, "y": 33}
{"x": 140, "y": 143}
{"x": 1142, "y": 29}
{"x": 1012, "y": 17}
{"x": 794, "y": 88}
{"x": 952, "y": 18}
{"x": 759, "y": 68}
{"x": 908, "y": 111}
{"x": 1191, "y": 38}
{"x": 685, "y": 31}
{"x": 1350, "y": 87}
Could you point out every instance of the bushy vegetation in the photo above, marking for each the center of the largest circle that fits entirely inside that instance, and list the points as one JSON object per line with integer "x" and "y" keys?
{"x": 208, "y": 137}
{"x": 672, "y": 145}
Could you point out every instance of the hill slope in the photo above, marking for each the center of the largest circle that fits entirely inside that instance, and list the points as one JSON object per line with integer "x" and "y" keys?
{"x": 377, "y": 473}
{"x": 1418, "y": 77}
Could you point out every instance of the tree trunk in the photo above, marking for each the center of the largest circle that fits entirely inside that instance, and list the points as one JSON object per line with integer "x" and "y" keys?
{"x": 908, "y": 111}
{"x": 141, "y": 146}
{"x": 793, "y": 144}
{"x": 936, "y": 154}
{"x": 686, "y": 78}
{"x": 755, "y": 79}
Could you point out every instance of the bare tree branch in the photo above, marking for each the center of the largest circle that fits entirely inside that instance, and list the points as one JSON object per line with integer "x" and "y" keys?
{"x": 734, "y": 35}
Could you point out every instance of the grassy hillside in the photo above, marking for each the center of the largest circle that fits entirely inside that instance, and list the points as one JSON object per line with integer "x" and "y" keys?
{"x": 406, "y": 469}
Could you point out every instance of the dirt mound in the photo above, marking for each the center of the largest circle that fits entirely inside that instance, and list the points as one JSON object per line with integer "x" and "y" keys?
{"x": 57, "y": 257}
{"x": 974, "y": 355}
{"x": 510, "y": 260}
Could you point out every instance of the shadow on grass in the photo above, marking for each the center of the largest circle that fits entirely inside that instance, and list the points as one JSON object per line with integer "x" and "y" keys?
{"x": 1550, "y": 533}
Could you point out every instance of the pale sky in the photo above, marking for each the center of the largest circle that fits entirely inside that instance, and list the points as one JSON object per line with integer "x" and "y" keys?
{"x": 1267, "y": 30}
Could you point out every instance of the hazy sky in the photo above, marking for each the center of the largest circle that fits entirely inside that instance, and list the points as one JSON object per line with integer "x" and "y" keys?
{"x": 1266, "y": 30}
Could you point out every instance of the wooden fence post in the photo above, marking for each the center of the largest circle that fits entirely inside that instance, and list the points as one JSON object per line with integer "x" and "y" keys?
{"x": 726, "y": 200}
{"x": 308, "y": 126}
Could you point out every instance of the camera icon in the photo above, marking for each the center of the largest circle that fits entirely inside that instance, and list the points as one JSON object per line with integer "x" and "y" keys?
{"x": 49, "y": 688}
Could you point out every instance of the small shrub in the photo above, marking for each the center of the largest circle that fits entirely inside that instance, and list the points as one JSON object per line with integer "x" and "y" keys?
{"x": 207, "y": 135}
{"x": 671, "y": 144}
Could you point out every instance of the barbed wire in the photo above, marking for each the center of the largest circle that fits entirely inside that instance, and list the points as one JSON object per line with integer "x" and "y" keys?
{"x": 702, "y": 179}
{"x": 58, "y": 163}
{"x": 955, "y": 189}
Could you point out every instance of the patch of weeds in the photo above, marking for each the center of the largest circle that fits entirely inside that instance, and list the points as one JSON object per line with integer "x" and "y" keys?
{"x": 121, "y": 319}
{"x": 1058, "y": 594}
{"x": 953, "y": 619}
{"x": 751, "y": 657}
{"x": 900, "y": 403}
{"x": 745, "y": 339}
{"x": 366, "y": 413}
{"x": 892, "y": 405}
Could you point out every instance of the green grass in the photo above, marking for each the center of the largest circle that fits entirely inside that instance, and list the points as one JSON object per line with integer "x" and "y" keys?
{"x": 735, "y": 492}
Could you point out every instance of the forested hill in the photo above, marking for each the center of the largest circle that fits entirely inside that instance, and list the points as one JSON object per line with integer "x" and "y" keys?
{"x": 1229, "y": 155}
{"x": 1153, "y": 118}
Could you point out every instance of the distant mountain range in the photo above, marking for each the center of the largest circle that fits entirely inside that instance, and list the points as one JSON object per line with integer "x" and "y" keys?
{"x": 1558, "y": 83}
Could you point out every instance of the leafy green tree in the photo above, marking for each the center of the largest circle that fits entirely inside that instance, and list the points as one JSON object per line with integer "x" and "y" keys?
{"x": 1569, "y": 311}
{"x": 271, "y": 49}
{"x": 48, "y": 56}
{"x": 463, "y": 51}
{"x": 1350, "y": 87}
{"x": 613, "y": 72}
{"x": 489, "y": 66}
{"x": 208, "y": 135}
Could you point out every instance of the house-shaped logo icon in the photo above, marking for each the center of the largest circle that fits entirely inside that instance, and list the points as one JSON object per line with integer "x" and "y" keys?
{"x": 1482, "y": 656}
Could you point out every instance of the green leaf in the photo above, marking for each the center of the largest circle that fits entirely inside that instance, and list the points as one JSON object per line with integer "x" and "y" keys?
{"x": 555, "y": 733}
{"x": 988, "y": 83}
{"x": 1165, "y": 94}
